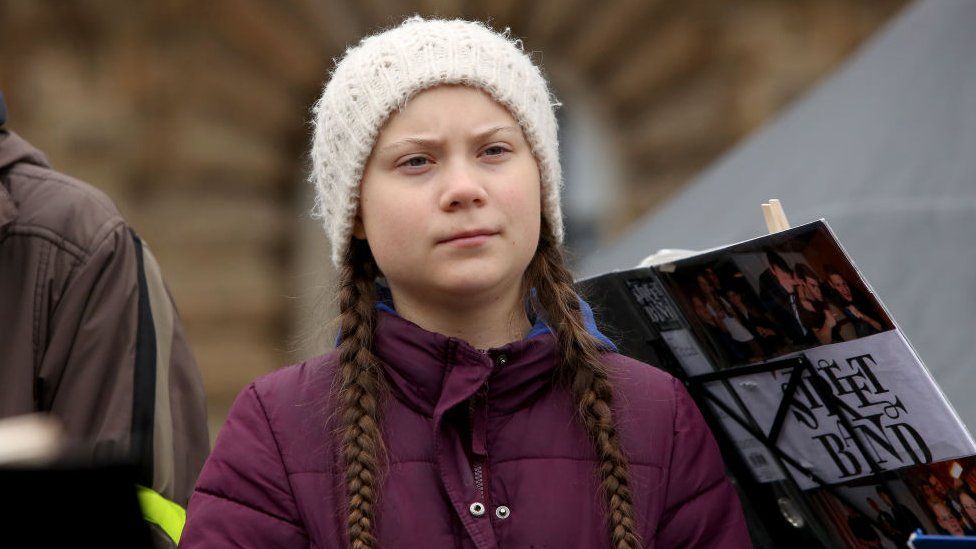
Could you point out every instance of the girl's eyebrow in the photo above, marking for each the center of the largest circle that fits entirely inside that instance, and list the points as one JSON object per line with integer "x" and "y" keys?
{"x": 491, "y": 132}
{"x": 419, "y": 141}
{"x": 432, "y": 143}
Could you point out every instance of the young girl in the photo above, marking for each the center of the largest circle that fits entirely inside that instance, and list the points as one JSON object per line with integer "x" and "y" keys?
{"x": 471, "y": 402}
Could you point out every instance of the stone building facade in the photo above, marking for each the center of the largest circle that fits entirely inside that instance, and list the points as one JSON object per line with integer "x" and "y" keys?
{"x": 193, "y": 116}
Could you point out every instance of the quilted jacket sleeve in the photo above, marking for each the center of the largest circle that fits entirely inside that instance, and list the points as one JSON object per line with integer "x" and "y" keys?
{"x": 243, "y": 497}
{"x": 701, "y": 508}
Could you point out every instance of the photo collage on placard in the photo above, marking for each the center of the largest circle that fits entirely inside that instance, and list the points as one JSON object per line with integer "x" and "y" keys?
{"x": 947, "y": 492}
{"x": 938, "y": 498}
{"x": 762, "y": 299}
{"x": 875, "y": 512}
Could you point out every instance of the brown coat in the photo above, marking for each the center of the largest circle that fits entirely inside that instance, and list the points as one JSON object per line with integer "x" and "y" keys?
{"x": 88, "y": 331}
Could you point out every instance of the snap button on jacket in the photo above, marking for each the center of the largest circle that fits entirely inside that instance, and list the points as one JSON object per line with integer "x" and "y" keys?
{"x": 463, "y": 427}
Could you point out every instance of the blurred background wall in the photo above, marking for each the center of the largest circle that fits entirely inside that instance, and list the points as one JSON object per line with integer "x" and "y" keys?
{"x": 193, "y": 116}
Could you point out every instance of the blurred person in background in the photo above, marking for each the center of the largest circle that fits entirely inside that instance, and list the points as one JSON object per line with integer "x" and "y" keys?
{"x": 90, "y": 334}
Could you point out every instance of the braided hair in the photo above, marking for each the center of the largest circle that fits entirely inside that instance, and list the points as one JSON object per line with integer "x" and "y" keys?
{"x": 360, "y": 383}
{"x": 581, "y": 371}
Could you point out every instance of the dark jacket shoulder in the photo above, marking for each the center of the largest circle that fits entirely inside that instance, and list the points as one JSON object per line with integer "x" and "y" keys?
{"x": 52, "y": 205}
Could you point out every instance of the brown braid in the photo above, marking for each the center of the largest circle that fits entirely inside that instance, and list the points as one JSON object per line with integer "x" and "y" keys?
{"x": 361, "y": 386}
{"x": 359, "y": 394}
{"x": 583, "y": 372}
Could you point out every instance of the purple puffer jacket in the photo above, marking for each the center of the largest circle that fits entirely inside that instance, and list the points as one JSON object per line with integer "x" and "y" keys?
{"x": 463, "y": 427}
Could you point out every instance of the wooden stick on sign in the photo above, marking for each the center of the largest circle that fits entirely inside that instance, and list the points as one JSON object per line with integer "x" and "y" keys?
{"x": 779, "y": 214}
{"x": 770, "y": 217}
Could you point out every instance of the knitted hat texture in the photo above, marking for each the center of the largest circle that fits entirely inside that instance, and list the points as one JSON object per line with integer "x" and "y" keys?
{"x": 380, "y": 74}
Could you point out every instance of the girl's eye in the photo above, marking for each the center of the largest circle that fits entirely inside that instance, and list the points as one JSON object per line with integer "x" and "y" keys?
{"x": 415, "y": 162}
{"x": 495, "y": 150}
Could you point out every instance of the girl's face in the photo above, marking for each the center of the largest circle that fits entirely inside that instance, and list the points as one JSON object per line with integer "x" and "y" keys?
{"x": 450, "y": 200}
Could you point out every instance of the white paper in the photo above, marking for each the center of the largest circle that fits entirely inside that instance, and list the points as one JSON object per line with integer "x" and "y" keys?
{"x": 900, "y": 413}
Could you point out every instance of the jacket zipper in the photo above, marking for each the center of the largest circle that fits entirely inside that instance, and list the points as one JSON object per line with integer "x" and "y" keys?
{"x": 478, "y": 467}
{"x": 479, "y": 479}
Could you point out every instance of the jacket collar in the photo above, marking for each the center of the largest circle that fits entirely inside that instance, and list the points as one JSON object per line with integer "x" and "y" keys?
{"x": 384, "y": 303}
{"x": 431, "y": 373}
{"x": 14, "y": 150}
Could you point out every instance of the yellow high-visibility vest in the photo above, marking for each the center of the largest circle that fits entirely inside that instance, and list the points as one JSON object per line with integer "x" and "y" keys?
{"x": 162, "y": 512}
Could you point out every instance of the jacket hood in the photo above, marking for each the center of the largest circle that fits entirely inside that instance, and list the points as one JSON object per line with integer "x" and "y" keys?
{"x": 14, "y": 149}
{"x": 432, "y": 373}
{"x": 512, "y": 375}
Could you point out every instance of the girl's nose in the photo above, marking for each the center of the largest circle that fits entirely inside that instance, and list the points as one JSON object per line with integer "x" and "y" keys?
{"x": 462, "y": 189}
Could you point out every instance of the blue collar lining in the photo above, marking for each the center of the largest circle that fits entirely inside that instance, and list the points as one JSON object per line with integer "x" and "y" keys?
{"x": 385, "y": 303}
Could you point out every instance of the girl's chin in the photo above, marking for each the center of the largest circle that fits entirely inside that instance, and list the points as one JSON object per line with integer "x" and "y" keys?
{"x": 467, "y": 282}
{"x": 470, "y": 285}
{"x": 464, "y": 280}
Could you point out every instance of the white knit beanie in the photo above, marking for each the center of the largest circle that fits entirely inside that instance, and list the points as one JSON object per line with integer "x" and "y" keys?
{"x": 385, "y": 70}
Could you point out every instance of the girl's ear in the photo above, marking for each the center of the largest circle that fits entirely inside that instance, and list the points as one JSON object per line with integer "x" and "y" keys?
{"x": 358, "y": 229}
